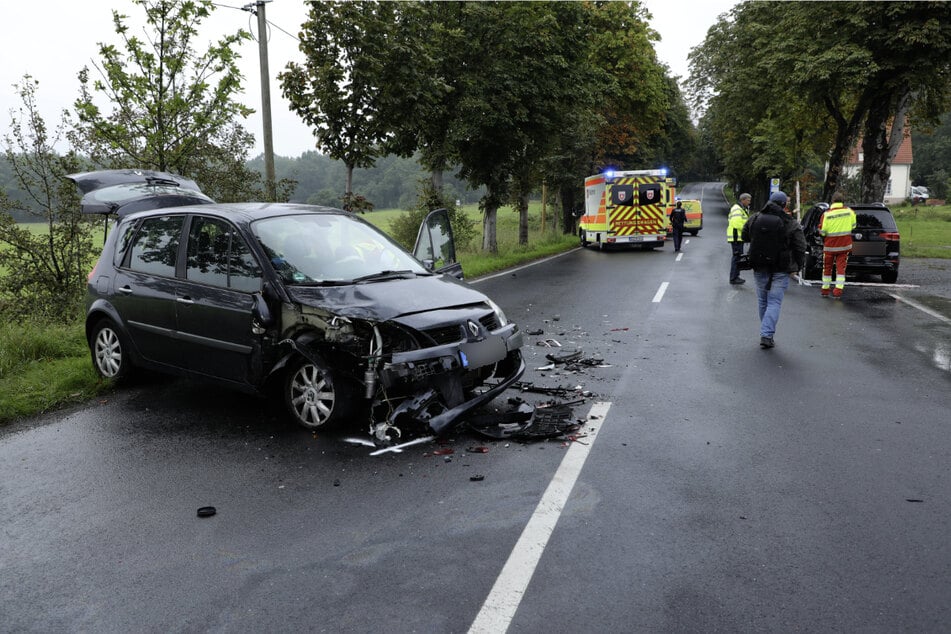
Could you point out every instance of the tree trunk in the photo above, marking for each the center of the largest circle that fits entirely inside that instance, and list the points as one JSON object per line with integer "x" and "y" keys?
{"x": 522, "y": 218}
{"x": 489, "y": 214}
{"x": 568, "y": 220}
{"x": 544, "y": 217}
{"x": 437, "y": 180}
{"x": 881, "y": 145}
{"x": 846, "y": 131}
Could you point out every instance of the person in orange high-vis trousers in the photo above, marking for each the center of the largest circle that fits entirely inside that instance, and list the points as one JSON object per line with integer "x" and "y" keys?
{"x": 836, "y": 227}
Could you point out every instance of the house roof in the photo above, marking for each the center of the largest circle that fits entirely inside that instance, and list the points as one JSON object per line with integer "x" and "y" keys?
{"x": 903, "y": 157}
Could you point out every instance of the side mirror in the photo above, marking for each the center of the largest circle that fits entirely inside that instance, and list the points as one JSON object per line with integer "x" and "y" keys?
{"x": 261, "y": 318}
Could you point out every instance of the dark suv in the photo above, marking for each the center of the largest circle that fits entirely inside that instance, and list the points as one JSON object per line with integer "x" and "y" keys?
{"x": 311, "y": 300}
{"x": 875, "y": 242}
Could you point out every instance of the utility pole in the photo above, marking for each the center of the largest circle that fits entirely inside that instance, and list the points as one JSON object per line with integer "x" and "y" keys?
{"x": 270, "y": 181}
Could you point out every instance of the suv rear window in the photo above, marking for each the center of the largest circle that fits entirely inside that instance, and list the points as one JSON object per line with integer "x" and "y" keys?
{"x": 875, "y": 219}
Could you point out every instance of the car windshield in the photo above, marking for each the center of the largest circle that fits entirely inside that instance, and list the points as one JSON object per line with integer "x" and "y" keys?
{"x": 331, "y": 249}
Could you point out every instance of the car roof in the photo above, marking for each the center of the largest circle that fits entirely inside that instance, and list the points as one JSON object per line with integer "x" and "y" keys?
{"x": 247, "y": 211}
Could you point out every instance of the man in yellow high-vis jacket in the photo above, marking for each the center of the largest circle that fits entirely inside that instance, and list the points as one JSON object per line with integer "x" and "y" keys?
{"x": 836, "y": 227}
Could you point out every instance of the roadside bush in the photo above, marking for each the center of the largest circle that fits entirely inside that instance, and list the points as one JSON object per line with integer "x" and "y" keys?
{"x": 42, "y": 272}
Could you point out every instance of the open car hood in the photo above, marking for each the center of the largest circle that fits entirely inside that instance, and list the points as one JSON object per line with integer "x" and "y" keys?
{"x": 122, "y": 192}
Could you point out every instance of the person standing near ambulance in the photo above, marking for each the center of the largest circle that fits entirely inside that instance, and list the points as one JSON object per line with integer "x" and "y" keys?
{"x": 836, "y": 227}
{"x": 739, "y": 214}
{"x": 678, "y": 217}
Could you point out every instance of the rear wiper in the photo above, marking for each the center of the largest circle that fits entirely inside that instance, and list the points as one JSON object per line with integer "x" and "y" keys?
{"x": 382, "y": 276}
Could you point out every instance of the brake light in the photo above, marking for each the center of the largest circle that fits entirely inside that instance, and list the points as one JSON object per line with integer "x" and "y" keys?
{"x": 890, "y": 235}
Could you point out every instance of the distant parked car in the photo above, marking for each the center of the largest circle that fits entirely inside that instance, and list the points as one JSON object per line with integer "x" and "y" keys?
{"x": 875, "y": 242}
{"x": 919, "y": 194}
{"x": 312, "y": 300}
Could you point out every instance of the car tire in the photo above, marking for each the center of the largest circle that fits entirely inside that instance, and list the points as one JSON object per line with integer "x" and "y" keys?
{"x": 694, "y": 233}
{"x": 314, "y": 397}
{"x": 109, "y": 350}
{"x": 890, "y": 277}
{"x": 811, "y": 270}
{"x": 584, "y": 237}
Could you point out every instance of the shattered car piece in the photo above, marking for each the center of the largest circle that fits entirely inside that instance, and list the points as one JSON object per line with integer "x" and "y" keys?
{"x": 311, "y": 300}
{"x": 550, "y": 420}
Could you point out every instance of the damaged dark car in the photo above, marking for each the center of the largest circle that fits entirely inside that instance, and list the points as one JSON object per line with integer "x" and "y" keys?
{"x": 310, "y": 302}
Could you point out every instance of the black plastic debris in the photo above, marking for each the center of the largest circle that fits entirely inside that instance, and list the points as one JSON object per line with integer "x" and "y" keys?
{"x": 549, "y": 420}
{"x": 533, "y": 333}
{"x": 477, "y": 478}
{"x": 564, "y": 357}
{"x": 561, "y": 392}
{"x": 207, "y": 511}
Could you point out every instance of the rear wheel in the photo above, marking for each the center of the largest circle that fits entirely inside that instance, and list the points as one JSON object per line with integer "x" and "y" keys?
{"x": 110, "y": 354}
{"x": 890, "y": 277}
{"x": 314, "y": 397}
{"x": 584, "y": 237}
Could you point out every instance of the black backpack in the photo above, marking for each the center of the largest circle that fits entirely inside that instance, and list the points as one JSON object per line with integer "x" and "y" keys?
{"x": 767, "y": 243}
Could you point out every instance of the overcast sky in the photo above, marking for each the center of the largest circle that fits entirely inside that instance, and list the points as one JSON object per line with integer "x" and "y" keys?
{"x": 53, "y": 39}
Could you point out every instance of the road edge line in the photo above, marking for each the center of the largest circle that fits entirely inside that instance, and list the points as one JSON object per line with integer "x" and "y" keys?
{"x": 500, "y": 606}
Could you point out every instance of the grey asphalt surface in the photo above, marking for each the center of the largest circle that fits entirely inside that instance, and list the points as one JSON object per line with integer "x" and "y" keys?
{"x": 804, "y": 488}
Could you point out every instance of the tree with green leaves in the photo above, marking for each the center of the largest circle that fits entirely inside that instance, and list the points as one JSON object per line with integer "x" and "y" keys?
{"x": 339, "y": 87}
{"x": 43, "y": 271}
{"x": 158, "y": 104}
{"x": 806, "y": 80}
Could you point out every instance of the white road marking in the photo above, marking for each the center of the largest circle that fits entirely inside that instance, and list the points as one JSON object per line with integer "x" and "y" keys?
{"x": 506, "y": 595}
{"x": 519, "y": 268}
{"x": 922, "y": 308}
{"x": 660, "y": 293}
{"x": 679, "y": 256}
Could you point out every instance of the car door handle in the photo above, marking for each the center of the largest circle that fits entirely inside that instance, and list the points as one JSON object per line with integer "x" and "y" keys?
{"x": 125, "y": 290}
{"x": 185, "y": 300}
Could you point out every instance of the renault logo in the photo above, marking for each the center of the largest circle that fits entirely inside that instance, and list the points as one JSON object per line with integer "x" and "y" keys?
{"x": 473, "y": 328}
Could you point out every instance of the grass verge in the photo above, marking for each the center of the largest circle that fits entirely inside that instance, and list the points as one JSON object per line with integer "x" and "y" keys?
{"x": 43, "y": 367}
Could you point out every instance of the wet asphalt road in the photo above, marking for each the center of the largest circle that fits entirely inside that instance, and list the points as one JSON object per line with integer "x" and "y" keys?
{"x": 729, "y": 488}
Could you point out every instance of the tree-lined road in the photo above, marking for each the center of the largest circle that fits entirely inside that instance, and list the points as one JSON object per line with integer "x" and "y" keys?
{"x": 726, "y": 488}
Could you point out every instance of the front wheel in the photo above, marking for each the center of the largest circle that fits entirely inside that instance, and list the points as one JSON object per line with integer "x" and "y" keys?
{"x": 584, "y": 237}
{"x": 313, "y": 395}
{"x": 110, "y": 354}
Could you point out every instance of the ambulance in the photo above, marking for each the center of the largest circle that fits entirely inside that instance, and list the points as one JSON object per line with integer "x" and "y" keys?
{"x": 626, "y": 208}
{"x": 694, "y": 212}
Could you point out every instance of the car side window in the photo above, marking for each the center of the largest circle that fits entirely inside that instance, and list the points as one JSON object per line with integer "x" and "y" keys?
{"x": 155, "y": 249}
{"x": 218, "y": 256}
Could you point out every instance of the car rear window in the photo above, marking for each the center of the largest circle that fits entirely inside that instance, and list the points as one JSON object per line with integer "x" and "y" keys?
{"x": 881, "y": 219}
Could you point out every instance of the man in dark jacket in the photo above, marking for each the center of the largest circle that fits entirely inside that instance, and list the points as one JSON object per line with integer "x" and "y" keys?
{"x": 677, "y": 219}
{"x": 772, "y": 282}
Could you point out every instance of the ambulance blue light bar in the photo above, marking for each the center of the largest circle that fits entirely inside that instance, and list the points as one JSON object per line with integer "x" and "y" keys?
{"x": 609, "y": 174}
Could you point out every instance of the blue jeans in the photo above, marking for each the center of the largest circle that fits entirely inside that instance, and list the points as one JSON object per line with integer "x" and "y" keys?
{"x": 770, "y": 301}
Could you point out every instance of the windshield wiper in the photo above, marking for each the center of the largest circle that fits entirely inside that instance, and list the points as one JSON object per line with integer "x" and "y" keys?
{"x": 382, "y": 276}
